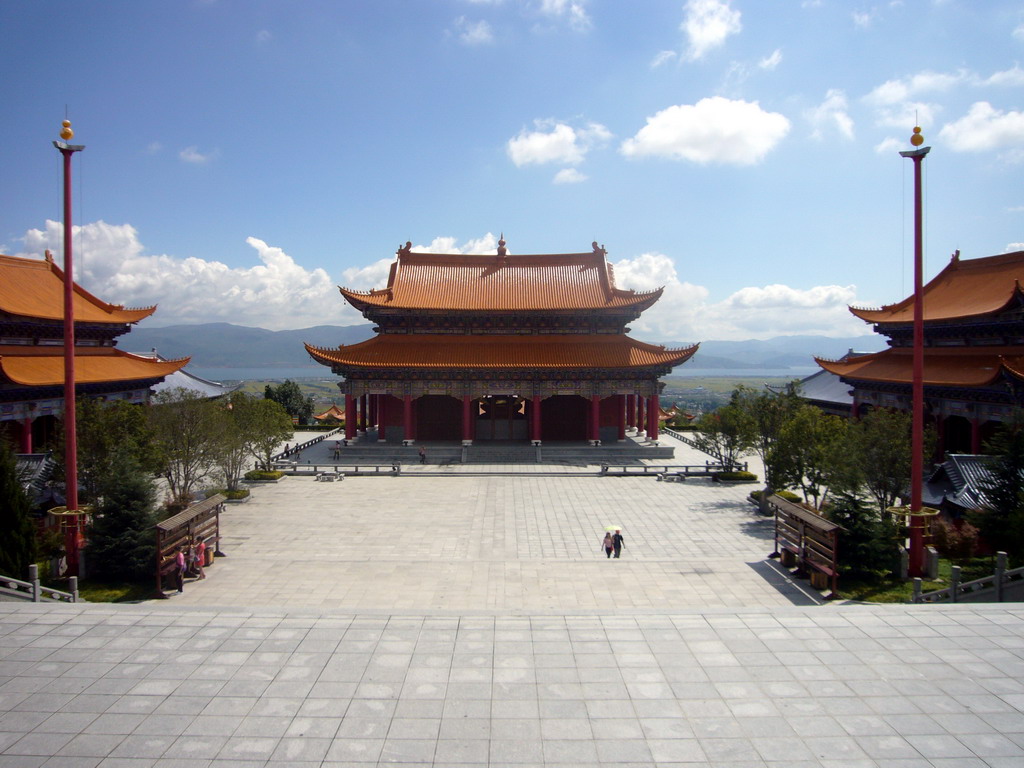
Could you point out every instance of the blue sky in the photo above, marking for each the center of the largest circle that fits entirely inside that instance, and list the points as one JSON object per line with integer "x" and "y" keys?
{"x": 245, "y": 158}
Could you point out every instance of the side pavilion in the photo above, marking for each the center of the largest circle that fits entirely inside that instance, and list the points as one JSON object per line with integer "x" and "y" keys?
{"x": 501, "y": 347}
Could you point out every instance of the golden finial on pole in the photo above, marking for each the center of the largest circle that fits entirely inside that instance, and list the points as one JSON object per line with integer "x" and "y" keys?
{"x": 917, "y": 139}
{"x": 66, "y": 133}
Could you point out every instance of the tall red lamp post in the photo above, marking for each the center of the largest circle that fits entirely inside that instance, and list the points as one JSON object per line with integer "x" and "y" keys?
{"x": 916, "y": 559}
{"x": 71, "y": 527}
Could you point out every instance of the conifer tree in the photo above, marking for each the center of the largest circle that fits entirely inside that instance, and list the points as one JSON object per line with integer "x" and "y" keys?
{"x": 17, "y": 533}
{"x": 122, "y": 538}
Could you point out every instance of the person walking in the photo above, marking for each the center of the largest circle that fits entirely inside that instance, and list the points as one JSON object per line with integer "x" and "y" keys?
{"x": 200, "y": 551}
{"x": 423, "y": 455}
{"x": 179, "y": 570}
{"x": 608, "y": 544}
{"x": 617, "y": 542}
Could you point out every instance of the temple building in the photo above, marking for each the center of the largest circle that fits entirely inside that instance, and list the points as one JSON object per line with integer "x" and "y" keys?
{"x": 974, "y": 351}
{"x": 501, "y": 348}
{"x": 32, "y": 351}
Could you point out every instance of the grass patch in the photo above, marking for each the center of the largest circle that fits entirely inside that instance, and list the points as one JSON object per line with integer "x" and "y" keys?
{"x": 115, "y": 592}
{"x": 885, "y": 588}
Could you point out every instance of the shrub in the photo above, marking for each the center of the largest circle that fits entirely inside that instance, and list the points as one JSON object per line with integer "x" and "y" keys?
{"x": 264, "y": 474}
{"x": 958, "y": 543}
{"x": 749, "y": 477}
{"x": 787, "y": 495}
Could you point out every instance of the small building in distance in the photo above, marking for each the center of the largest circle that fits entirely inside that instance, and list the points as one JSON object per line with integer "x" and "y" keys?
{"x": 32, "y": 351}
{"x": 501, "y": 348}
{"x": 973, "y": 355}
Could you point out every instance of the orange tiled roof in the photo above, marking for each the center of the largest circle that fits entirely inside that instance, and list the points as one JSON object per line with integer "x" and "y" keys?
{"x": 965, "y": 288}
{"x": 959, "y": 367}
{"x": 574, "y": 281}
{"x": 44, "y": 366}
{"x": 34, "y": 288}
{"x": 564, "y": 351}
{"x": 334, "y": 412}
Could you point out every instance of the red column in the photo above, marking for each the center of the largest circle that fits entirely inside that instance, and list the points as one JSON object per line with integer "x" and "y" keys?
{"x": 535, "y": 418}
{"x": 410, "y": 428}
{"x": 350, "y": 417}
{"x": 653, "y": 412}
{"x": 975, "y": 435}
{"x": 25, "y": 443}
{"x": 620, "y": 412}
{"x": 640, "y": 414}
{"x": 630, "y": 411}
{"x": 467, "y": 418}
{"x": 381, "y": 414}
{"x": 373, "y": 410}
{"x": 595, "y": 417}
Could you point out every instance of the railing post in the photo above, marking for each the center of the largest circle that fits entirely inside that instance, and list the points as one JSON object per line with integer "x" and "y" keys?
{"x": 33, "y": 576}
{"x": 1000, "y": 574}
{"x": 954, "y": 583}
{"x": 73, "y": 588}
{"x": 917, "y": 590}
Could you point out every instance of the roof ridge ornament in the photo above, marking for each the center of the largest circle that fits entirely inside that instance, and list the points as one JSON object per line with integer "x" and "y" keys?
{"x": 956, "y": 256}
{"x": 502, "y": 250}
{"x": 405, "y": 250}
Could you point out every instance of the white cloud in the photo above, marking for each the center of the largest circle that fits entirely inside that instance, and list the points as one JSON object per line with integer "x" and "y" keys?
{"x": 473, "y": 33}
{"x": 277, "y": 293}
{"x": 194, "y": 156}
{"x": 984, "y": 128}
{"x": 772, "y": 61}
{"x": 684, "y": 313}
{"x": 663, "y": 57}
{"x": 573, "y": 12}
{"x": 890, "y": 145}
{"x": 263, "y": 36}
{"x": 714, "y": 130}
{"x": 831, "y": 113}
{"x": 707, "y": 24}
{"x": 1019, "y": 32}
{"x": 862, "y": 19}
{"x": 1011, "y": 78}
{"x": 569, "y": 176}
{"x": 1013, "y": 247}
{"x": 154, "y": 147}
{"x": 555, "y": 142}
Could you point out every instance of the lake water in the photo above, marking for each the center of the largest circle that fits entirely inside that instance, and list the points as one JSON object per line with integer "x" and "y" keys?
{"x": 322, "y": 372}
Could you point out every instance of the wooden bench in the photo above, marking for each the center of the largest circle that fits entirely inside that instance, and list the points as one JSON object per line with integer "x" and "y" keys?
{"x": 808, "y": 542}
{"x": 201, "y": 520}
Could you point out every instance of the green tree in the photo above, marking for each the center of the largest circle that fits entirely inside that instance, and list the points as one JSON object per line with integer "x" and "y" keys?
{"x": 1001, "y": 522}
{"x": 809, "y": 451}
{"x": 230, "y": 452}
{"x": 725, "y": 432}
{"x": 289, "y": 396}
{"x": 17, "y": 533}
{"x": 122, "y": 540}
{"x": 765, "y": 412}
{"x": 880, "y": 456}
{"x": 264, "y": 425}
{"x": 869, "y": 542}
{"x": 107, "y": 432}
{"x": 181, "y": 420}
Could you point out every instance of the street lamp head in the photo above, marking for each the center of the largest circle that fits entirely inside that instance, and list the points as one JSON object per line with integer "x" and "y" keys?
{"x": 917, "y": 139}
{"x": 66, "y": 133}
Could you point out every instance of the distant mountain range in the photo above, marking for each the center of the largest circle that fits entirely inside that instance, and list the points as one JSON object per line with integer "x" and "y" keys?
{"x": 223, "y": 345}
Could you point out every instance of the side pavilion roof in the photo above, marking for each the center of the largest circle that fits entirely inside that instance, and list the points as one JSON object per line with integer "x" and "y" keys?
{"x": 44, "y": 366}
{"x": 574, "y": 282}
{"x": 35, "y": 288}
{"x": 964, "y": 289}
{"x": 950, "y": 367}
{"x": 501, "y": 352}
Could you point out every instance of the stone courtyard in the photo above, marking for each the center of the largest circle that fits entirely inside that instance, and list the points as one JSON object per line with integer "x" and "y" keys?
{"x": 442, "y": 618}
